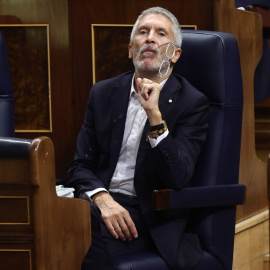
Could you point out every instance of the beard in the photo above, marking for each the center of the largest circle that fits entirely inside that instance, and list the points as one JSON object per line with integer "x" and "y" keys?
{"x": 147, "y": 68}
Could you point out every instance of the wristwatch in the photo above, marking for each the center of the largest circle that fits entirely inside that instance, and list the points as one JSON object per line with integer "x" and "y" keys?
{"x": 156, "y": 130}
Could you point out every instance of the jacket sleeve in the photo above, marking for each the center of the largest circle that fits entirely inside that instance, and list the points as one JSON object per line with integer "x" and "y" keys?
{"x": 176, "y": 155}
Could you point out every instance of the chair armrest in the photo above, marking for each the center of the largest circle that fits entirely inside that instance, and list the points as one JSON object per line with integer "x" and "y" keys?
{"x": 11, "y": 147}
{"x": 198, "y": 197}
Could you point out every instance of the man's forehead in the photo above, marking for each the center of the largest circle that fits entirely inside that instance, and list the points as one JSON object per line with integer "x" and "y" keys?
{"x": 156, "y": 18}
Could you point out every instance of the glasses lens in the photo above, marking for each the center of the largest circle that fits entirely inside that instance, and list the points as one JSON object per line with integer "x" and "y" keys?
{"x": 164, "y": 68}
{"x": 170, "y": 50}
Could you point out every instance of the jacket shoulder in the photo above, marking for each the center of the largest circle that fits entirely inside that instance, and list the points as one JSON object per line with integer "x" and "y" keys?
{"x": 115, "y": 80}
{"x": 187, "y": 88}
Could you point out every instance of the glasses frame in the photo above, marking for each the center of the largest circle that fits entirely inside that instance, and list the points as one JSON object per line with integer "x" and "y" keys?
{"x": 167, "y": 60}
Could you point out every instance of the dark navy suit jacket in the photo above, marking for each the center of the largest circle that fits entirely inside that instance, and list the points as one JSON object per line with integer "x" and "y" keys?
{"x": 168, "y": 165}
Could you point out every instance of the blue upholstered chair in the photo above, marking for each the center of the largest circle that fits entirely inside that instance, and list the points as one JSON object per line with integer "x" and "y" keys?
{"x": 209, "y": 61}
{"x": 6, "y": 94}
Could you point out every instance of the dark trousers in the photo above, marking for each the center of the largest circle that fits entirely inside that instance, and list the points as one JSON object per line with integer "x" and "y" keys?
{"x": 104, "y": 246}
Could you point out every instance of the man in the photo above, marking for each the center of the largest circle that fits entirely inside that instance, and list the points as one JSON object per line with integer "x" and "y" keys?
{"x": 142, "y": 131}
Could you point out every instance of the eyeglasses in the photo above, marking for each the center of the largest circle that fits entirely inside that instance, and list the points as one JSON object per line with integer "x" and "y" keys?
{"x": 169, "y": 54}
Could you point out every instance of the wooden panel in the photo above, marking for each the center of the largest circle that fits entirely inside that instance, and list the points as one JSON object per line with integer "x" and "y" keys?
{"x": 251, "y": 242}
{"x": 29, "y": 68}
{"x": 12, "y": 259}
{"x": 257, "y": 264}
{"x": 262, "y": 125}
{"x": 20, "y": 175}
{"x": 117, "y": 61}
{"x": 266, "y": 262}
{"x": 14, "y": 210}
{"x": 56, "y": 14}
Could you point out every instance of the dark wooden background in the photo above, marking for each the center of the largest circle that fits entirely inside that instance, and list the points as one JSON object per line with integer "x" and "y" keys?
{"x": 71, "y": 52}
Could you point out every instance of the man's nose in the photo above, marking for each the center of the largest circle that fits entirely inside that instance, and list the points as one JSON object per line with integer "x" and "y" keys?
{"x": 151, "y": 38}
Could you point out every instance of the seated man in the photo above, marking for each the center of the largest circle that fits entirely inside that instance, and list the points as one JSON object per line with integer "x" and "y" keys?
{"x": 142, "y": 131}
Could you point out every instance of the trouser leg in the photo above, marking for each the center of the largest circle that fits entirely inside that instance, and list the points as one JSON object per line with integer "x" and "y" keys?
{"x": 97, "y": 257}
{"x": 104, "y": 246}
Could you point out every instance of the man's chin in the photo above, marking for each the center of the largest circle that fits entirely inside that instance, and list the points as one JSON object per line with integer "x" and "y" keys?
{"x": 146, "y": 65}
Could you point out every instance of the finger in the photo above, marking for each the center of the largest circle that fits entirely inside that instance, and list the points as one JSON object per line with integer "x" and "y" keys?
{"x": 111, "y": 229}
{"x": 121, "y": 229}
{"x": 119, "y": 232}
{"x": 129, "y": 228}
{"x": 132, "y": 228}
{"x": 138, "y": 82}
{"x": 146, "y": 90}
{"x": 124, "y": 232}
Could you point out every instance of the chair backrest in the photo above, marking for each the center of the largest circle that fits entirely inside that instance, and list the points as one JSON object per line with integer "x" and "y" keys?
{"x": 210, "y": 61}
{"x": 6, "y": 94}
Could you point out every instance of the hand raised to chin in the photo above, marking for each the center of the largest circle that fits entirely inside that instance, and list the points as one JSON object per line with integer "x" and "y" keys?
{"x": 149, "y": 92}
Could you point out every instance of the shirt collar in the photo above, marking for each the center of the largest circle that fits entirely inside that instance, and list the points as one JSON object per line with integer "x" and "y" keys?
{"x": 133, "y": 88}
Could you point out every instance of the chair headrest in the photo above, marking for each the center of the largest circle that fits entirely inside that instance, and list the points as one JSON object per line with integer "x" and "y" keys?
{"x": 210, "y": 61}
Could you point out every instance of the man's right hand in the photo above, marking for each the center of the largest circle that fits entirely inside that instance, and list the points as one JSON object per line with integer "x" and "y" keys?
{"x": 116, "y": 218}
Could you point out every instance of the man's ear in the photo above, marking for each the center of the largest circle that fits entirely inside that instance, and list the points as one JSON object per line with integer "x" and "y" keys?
{"x": 129, "y": 51}
{"x": 177, "y": 55}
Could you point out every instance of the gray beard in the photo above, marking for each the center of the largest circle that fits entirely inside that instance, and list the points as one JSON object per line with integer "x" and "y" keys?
{"x": 145, "y": 71}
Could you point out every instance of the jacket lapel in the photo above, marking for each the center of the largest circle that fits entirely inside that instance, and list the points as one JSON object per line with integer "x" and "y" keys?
{"x": 119, "y": 104}
{"x": 168, "y": 93}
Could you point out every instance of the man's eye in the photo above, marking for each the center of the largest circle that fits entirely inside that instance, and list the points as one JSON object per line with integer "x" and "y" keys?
{"x": 142, "y": 32}
{"x": 162, "y": 34}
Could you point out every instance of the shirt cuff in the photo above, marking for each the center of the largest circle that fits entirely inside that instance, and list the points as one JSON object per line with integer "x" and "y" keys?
{"x": 91, "y": 193}
{"x": 155, "y": 142}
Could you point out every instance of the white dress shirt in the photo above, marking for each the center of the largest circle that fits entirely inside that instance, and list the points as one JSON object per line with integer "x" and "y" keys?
{"x": 123, "y": 177}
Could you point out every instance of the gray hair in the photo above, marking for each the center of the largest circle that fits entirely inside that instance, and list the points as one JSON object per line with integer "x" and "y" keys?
{"x": 159, "y": 10}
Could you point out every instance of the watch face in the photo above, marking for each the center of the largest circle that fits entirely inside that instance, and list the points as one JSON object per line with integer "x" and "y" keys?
{"x": 157, "y": 127}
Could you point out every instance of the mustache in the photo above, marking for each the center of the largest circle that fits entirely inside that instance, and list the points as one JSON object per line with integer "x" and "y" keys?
{"x": 148, "y": 47}
{"x": 145, "y": 48}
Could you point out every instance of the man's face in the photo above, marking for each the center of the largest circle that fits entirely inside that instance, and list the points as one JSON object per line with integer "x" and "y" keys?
{"x": 153, "y": 31}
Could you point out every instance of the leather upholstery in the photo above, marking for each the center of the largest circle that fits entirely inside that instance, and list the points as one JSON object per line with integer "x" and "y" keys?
{"x": 6, "y": 94}
{"x": 210, "y": 61}
{"x": 213, "y": 66}
{"x": 14, "y": 147}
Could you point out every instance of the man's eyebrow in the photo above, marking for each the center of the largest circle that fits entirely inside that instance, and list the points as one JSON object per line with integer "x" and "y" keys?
{"x": 158, "y": 28}
{"x": 163, "y": 29}
{"x": 143, "y": 27}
